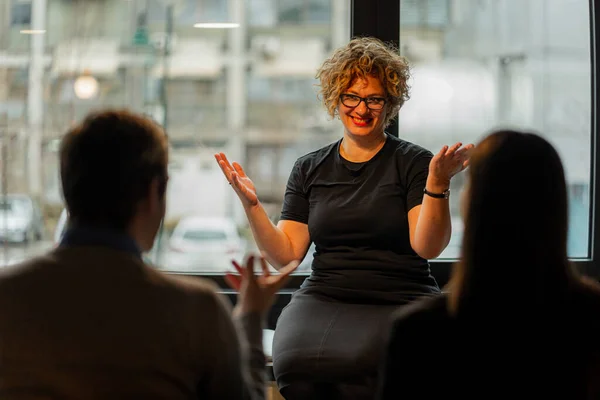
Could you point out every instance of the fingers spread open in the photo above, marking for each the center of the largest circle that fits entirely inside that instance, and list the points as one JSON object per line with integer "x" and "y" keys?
{"x": 264, "y": 267}
{"x": 442, "y": 151}
{"x": 238, "y": 168}
{"x": 234, "y": 281}
{"x": 237, "y": 267}
{"x": 226, "y": 171}
{"x": 249, "y": 271}
{"x": 453, "y": 149}
{"x": 224, "y": 158}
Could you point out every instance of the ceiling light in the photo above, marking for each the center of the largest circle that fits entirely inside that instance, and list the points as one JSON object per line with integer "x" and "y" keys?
{"x": 33, "y": 31}
{"x": 217, "y": 25}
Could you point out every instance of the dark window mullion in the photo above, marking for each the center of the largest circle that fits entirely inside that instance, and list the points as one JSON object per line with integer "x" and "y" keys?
{"x": 592, "y": 267}
{"x": 380, "y": 19}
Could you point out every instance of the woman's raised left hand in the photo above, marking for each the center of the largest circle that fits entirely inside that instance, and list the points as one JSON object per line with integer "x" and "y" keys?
{"x": 449, "y": 161}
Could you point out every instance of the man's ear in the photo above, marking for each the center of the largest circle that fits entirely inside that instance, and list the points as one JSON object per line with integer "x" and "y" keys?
{"x": 156, "y": 192}
{"x": 158, "y": 186}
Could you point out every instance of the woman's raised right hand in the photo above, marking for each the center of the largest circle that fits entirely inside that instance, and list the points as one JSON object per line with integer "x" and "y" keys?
{"x": 238, "y": 180}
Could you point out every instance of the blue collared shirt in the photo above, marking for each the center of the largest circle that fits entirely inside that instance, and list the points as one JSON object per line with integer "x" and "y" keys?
{"x": 88, "y": 236}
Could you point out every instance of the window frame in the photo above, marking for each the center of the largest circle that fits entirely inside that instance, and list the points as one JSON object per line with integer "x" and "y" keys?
{"x": 381, "y": 19}
{"x": 591, "y": 266}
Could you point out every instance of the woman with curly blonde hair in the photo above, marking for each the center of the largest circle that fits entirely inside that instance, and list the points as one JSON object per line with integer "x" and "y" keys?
{"x": 361, "y": 201}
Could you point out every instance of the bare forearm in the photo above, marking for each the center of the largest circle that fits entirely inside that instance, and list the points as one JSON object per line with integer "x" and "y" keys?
{"x": 434, "y": 226}
{"x": 274, "y": 243}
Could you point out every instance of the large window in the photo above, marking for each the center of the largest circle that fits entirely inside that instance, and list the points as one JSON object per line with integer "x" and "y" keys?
{"x": 507, "y": 63}
{"x": 250, "y": 92}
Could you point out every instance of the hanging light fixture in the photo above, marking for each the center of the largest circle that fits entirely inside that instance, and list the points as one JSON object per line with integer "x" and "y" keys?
{"x": 217, "y": 25}
{"x": 85, "y": 86}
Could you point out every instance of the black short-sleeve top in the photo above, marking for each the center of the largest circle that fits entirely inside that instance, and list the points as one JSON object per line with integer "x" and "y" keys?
{"x": 357, "y": 216}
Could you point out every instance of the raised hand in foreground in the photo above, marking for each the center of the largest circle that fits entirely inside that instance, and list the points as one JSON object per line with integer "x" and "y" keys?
{"x": 257, "y": 293}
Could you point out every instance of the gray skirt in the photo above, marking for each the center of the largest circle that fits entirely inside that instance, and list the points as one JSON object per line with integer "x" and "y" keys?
{"x": 318, "y": 339}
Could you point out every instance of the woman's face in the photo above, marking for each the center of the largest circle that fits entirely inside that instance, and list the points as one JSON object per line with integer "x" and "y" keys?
{"x": 361, "y": 120}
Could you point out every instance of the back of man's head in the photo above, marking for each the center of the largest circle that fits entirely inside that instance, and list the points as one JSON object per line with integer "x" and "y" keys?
{"x": 107, "y": 165}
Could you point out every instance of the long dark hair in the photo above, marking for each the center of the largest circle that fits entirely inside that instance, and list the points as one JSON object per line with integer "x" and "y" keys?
{"x": 516, "y": 224}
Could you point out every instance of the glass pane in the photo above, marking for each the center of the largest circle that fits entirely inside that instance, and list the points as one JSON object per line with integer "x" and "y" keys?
{"x": 425, "y": 14}
{"x": 501, "y": 64}
{"x": 303, "y": 11}
{"x": 247, "y": 91}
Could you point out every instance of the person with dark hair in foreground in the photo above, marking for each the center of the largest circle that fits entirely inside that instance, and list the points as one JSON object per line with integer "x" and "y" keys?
{"x": 91, "y": 320}
{"x": 518, "y": 321}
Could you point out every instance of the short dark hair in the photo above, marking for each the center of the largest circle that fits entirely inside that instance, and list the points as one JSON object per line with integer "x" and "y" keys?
{"x": 107, "y": 164}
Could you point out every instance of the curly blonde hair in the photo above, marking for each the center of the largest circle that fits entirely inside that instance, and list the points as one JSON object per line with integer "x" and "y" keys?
{"x": 362, "y": 57}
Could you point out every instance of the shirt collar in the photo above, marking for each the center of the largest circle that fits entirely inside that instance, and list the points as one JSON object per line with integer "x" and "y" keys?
{"x": 91, "y": 236}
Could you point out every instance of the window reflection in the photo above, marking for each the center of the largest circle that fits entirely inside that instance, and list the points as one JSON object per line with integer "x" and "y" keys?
{"x": 498, "y": 63}
{"x": 250, "y": 92}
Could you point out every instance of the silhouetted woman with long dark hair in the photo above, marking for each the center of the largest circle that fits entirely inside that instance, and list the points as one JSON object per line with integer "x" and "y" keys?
{"x": 517, "y": 320}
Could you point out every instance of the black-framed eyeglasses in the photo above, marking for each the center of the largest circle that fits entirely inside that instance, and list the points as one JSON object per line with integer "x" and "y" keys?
{"x": 372, "y": 103}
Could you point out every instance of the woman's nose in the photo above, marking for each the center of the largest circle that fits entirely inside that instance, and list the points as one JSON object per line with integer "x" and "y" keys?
{"x": 362, "y": 108}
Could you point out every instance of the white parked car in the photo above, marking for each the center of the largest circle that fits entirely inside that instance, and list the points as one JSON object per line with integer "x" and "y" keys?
{"x": 203, "y": 245}
{"x": 20, "y": 219}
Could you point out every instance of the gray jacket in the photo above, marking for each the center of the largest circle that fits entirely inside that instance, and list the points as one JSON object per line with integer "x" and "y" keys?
{"x": 97, "y": 323}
